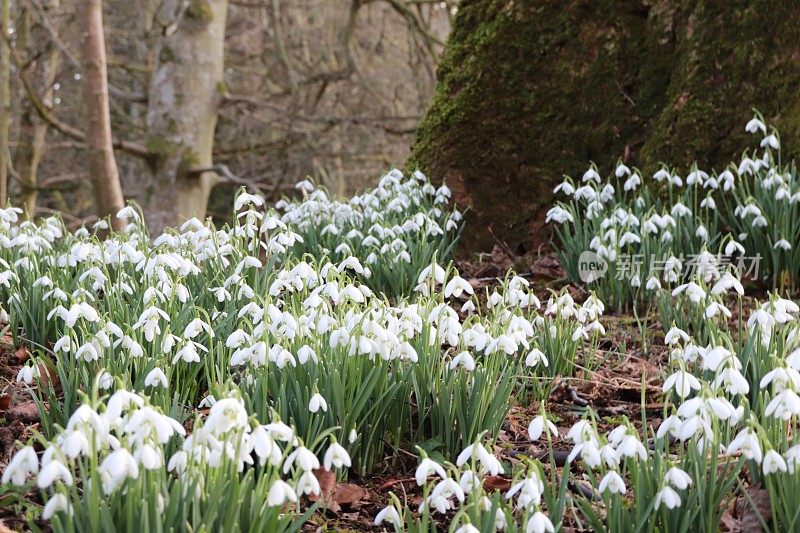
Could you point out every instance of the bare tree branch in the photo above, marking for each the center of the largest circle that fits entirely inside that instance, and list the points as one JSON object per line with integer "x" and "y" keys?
{"x": 63, "y": 127}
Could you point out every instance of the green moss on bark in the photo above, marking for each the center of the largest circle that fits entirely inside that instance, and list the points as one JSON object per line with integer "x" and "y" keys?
{"x": 531, "y": 90}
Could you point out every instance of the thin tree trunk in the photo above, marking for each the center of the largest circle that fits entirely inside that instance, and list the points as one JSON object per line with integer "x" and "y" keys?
{"x": 102, "y": 165}
{"x": 32, "y": 129}
{"x": 5, "y": 102}
{"x": 184, "y": 97}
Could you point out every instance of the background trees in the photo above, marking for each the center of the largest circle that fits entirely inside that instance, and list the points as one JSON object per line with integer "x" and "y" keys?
{"x": 215, "y": 92}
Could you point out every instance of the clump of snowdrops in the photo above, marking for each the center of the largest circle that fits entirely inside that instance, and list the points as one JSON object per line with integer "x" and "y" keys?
{"x": 731, "y": 413}
{"x": 647, "y": 231}
{"x": 395, "y": 230}
{"x": 120, "y": 464}
{"x": 173, "y": 324}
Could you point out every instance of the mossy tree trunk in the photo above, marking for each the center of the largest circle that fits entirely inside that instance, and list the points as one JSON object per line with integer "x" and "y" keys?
{"x": 530, "y": 90}
{"x": 184, "y": 97}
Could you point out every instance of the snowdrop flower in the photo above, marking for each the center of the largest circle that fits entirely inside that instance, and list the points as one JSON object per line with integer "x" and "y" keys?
{"x": 622, "y": 170}
{"x": 336, "y": 456}
{"x": 463, "y": 359}
{"x": 612, "y": 482}
{"x": 303, "y": 458}
{"x": 591, "y": 175}
{"x": 773, "y": 462}
{"x": 208, "y": 401}
{"x": 675, "y": 335}
{"x": 195, "y": 327}
{"x": 747, "y": 442}
{"x": 245, "y": 199}
{"x": 178, "y": 462}
{"x": 668, "y": 497}
{"x": 530, "y": 491}
{"x": 226, "y": 414}
{"x": 88, "y": 352}
{"x": 754, "y": 125}
{"x": 661, "y": 175}
{"x": 389, "y": 514}
{"x": 692, "y": 290}
{"x": 27, "y": 374}
{"x": 434, "y": 272}
{"x": 771, "y": 140}
{"x": 106, "y": 381}
{"x": 489, "y": 463}
{"x": 469, "y": 481}
{"x": 24, "y": 463}
{"x": 631, "y": 446}
{"x": 783, "y": 244}
{"x": 280, "y": 493}
{"x": 566, "y": 187}
{"x": 677, "y": 478}
{"x": 188, "y": 353}
{"x": 784, "y": 406}
{"x": 792, "y": 456}
{"x": 559, "y": 215}
{"x": 51, "y": 472}
{"x": 726, "y": 282}
{"x": 708, "y": 202}
{"x": 696, "y": 177}
{"x": 733, "y": 247}
{"x": 683, "y": 383}
{"x": 539, "y": 425}
{"x": 448, "y": 488}
{"x": 308, "y": 484}
{"x": 535, "y": 357}
{"x": 653, "y": 284}
{"x": 305, "y": 186}
{"x": 539, "y": 523}
{"x": 632, "y": 182}
{"x": 317, "y": 402}
{"x": 155, "y": 378}
{"x": 457, "y": 286}
{"x": 116, "y": 468}
{"x": 426, "y": 468}
{"x": 58, "y": 502}
{"x": 128, "y": 212}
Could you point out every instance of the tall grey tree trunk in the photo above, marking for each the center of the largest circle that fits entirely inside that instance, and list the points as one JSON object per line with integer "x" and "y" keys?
{"x": 102, "y": 165}
{"x": 32, "y": 129}
{"x": 185, "y": 92}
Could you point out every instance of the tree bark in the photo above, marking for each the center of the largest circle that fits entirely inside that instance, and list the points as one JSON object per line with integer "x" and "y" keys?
{"x": 5, "y": 101}
{"x": 185, "y": 92}
{"x": 102, "y": 165}
{"x": 32, "y": 129}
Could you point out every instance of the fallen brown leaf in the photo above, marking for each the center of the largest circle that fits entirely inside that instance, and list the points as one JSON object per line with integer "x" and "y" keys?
{"x": 749, "y": 509}
{"x": 5, "y": 402}
{"x": 26, "y": 412}
{"x": 501, "y": 258}
{"x": 22, "y": 354}
{"x": 394, "y": 481}
{"x": 327, "y": 485}
{"x": 492, "y": 483}
{"x": 348, "y": 493}
{"x": 548, "y": 267}
{"x": 48, "y": 375}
